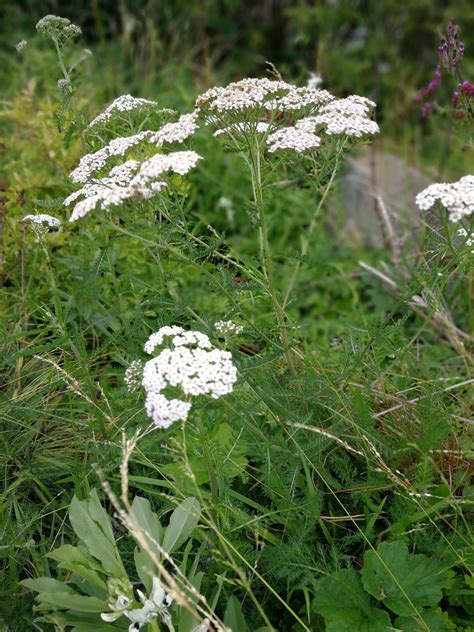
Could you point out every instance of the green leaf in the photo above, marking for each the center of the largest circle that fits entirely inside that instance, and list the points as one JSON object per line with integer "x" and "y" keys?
{"x": 345, "y": 606}
{"x": 428, "y": 621}
{"x": 404, "y": 583}
{"x": 234, "y": 617}
{"x": 72, "y": 559}
{"x": 182, "y": 523}
{"x": 92, "y": 525}
{"x": 153, "y": 531}
{"x": 72, "y": 601}
{"x": 47, "y": 584}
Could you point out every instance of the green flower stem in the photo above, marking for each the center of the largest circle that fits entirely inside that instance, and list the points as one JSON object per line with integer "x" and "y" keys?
{"x": 256, "y": 173}
{"x": 309, "y": 232}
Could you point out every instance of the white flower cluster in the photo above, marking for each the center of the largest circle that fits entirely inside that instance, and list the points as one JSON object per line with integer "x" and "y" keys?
{"x": 190, "y": 363}
{"x": 124, "y": 103}
{"x": 241, "y": 95}
{"x": 348, "y": 116}
{"x": 456, "y": 197}
{"x": 241, "y": 128}
{"x": 90, "y": 163}
{"x": 129, "y": 180}
{"x": 44, "y": 220}
{"x": 177, "y": 132}
{"x": 292, "y": 138}
{"x": 462, "y": 232}
{"x": 314, "y": 80}
{"x": 21, "y": 45}
{"x": 323, "y": 113}
{"x": 59, "y": 29}
{"x": 156, "y": 605}
{"x": 228, "y": 327}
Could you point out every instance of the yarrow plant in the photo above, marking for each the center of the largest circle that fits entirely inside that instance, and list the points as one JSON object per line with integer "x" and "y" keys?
{"x": 187, "y": 360}
{"x": 457, "y": 198}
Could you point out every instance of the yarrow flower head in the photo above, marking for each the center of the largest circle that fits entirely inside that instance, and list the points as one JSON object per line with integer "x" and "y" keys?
{"x": 130, "y": 180}
{"x": 42, "y": 223}
{"x": 58, "y": 29}
{"x": 124, "y": 103}
{"x": 21, "y": 45}
{"x": 187, "y": 361}
{"x": 228, "y": 327}
{"x": 263, "y": 103}
{"x": 457, "y": 198}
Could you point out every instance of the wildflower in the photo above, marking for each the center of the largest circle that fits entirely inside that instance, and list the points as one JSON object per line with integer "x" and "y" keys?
{"x": 177, "y": 132}
{"x": 298, "y": 99}
{"x": 124, "y": 103}
{"x": 238, "y": 128}
{"x": 457, "y": 197}
{"x": 432, "y": 86}
{"x": 155, "y": 606}
{"x": 133, "y": 375}
{"x": 292, "y": 138}
{"x": 427, "y": 109}
{"x": 205, "y": 626}
{"x": 129, "y": 180}
{"x": 451, "y": 51}
{"x": 188, "y": 362}
{"x": 241, "y": 95}
{"x": 21, "y": 45}
{"x": 42, "y": 219}
{"x": 455, "y": 98}
{"x": 63, "y": 84}
{"x": 57, "y": 28}
{"x": 467, "y": 88}
{"x": 228, "y": 327}
{"x": 314, "y": 80}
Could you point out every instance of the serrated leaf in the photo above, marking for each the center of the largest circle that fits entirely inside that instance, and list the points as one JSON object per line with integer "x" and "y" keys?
{"x": 182, "y": 523}
{"x": 403, "y": 583}
{"x": 428, "y": 620}
{"x": 345, "y": 606}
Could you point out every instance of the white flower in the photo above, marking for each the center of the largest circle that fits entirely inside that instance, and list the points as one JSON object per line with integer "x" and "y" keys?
{"x": 205, "y": 626}
{"x": 177, "y": 132}
{"x": 60, "y": 29}
{"x": 21, "y": 45}
{"x": 457, "y": 198}
{"x": 156, "y": 605}
{"x": 292, "y": 138}
{"x": 128, "y": 180}
{"x": 192, "y": 364}
{"x": 43, "y": 220}
{"x": 133, "y": 375}
{"x": 124, "y": 103}
{"x": 261, "y": 128}
{"x": 299, "y": 98}
{"x": 241, "y": 95}
{"x": 228, "y": 327}
{"x": 314, "y": 80}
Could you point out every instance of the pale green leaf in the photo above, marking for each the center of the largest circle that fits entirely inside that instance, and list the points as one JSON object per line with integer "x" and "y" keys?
{"x": 182, "y": 523}
{"x": 233, "y": 616}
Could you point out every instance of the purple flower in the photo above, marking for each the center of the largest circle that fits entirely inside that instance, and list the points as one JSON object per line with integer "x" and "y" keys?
{"x": 430, "y": 88}
{"x": 427, "y": 109}
{"x": 455, "y": 98}
{"x": 466, "y": 87}
{"x": 451, "y": 51}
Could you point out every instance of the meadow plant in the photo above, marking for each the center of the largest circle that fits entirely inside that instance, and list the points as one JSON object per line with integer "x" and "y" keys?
{"x": 310, "y": 486}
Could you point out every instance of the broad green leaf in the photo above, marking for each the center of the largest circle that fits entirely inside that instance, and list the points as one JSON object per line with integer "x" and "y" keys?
{"x": 345, "y": 606}
{"x": 402, "y": 582}
{"x": 182, "y": 523}
{"x": 72, "y": 601}
{"x": 233, "y": 616}
{"x": 145, "y": 566}
{"x": 72, "y": 559}
{"x": 148, "y": 521}
{"x": 428, "y": 621}
{"x": 97, "y": 536}
{"x": 47, "y": 584}
{"x": 187, "y": 622}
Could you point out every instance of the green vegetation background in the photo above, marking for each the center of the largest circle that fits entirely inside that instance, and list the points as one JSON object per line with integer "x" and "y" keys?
{"x": 170, "y": 52}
